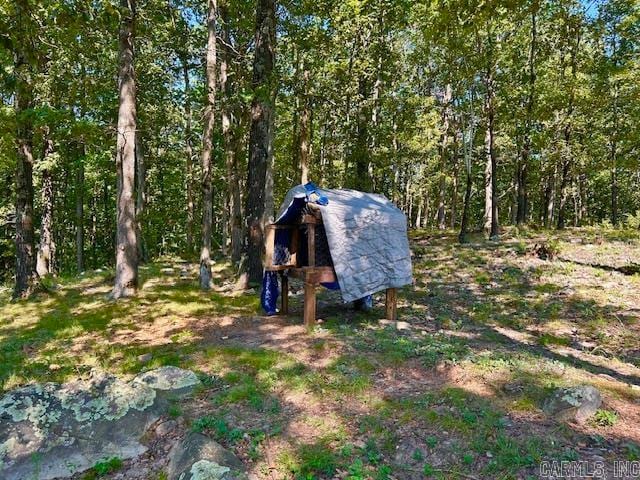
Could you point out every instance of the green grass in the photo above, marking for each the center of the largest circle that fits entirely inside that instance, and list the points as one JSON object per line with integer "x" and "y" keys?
{"x": 103, "y": 468}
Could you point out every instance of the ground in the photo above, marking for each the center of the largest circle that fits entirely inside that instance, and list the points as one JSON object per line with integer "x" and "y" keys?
{"x": 453, "y": 390}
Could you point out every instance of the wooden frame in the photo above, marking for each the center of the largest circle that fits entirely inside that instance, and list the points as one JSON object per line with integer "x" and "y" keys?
{"x": 311, "y": 275}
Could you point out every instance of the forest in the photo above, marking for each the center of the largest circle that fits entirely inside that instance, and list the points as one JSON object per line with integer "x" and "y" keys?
{"x": 467, "y": 116}
{"x": 145, "y": 148}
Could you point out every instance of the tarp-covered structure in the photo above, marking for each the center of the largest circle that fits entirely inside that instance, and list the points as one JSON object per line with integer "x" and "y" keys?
{"x": 366, "y": 235}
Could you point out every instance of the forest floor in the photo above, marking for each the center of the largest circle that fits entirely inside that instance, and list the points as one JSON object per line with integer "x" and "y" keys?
{"x": 453, "y": 390}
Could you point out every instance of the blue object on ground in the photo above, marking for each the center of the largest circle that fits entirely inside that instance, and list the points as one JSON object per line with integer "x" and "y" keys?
{"x": 269, "y": 294}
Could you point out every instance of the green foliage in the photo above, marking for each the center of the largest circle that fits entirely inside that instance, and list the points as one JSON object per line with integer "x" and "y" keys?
{"x": 218, "y": 428}
{"x": 103, "y": 468}
{"x": 605, "y": 418}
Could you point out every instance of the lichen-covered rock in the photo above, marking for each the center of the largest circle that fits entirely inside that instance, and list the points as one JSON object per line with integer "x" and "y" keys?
{"x": 198, "y": 457}
{"x": 70, "y": 427}
{"x": 168, "y": 378}
{"x": 573, "y": 403}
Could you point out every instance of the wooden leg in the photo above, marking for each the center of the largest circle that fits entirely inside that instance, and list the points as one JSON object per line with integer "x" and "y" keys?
{"x": 392, "y": 296}
{"x": 284, "y": 310}
{"x": 309, "y": 304}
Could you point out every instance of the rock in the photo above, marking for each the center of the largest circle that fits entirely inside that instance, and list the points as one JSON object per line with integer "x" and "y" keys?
{"x": 165, "y": 428}
{"x": 72, "y": 426}
{"x": 573, "y": 403}
{"x": 145, "y": 358}
{"x": 198, "y": 457}
{"x": 403, "y": 325}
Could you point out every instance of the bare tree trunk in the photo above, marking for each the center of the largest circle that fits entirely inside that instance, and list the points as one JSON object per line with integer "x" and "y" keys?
{"x": 229, "y": 133}
{"x": 207, "y": 147}
{"x": 488, "y": 183}
{"x": 141, "y": 198}
{"x": 359, "y": 155}
{"x": 614, "y": 160}
{"x": 80, "y": 211}
{"x": 25, "y": 251}
{"x": 46, "y": 248}
{"x": 188, "y": 153}
{"x": 444, "y": 156}
{"x": 126, "y": 281}
{"x": 259, "y": 181}
{"x": 305, "y": 128}
{"x": 491, "y": 154}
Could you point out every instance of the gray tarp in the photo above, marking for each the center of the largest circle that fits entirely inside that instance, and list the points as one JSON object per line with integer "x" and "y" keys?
{"x": 367, "y": 238}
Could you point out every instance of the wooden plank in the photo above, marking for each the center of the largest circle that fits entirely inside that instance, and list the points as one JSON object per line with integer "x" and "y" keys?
{"x": 309, "y": 219}
{"x": 270, "y": 239}
{"x": 314, "y": 274}
{"x": 277, "y": 268}
{"x": 284, "y": 310}
{"x": 309, "y": 305}
{"x": 391, "y": 304}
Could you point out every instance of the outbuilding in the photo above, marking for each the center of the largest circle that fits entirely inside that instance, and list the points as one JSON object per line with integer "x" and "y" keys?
{"x": 341, "y": 239}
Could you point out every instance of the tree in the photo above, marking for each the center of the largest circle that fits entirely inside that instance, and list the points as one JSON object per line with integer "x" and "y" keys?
{"x": 261, "y": 135}
{"x": 126, "y": 280}
{"x": 23, "y": 52}
{"x": 207, "y": 148}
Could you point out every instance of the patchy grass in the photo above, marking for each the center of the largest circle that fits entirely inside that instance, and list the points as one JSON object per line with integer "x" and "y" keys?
{"x": 454, "y": 390}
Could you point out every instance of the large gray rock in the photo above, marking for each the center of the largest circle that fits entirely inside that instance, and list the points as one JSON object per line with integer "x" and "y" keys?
{"x": 573, "y": 403}
{"x": 53, "y": 431}
{"x": 198, "y": 457}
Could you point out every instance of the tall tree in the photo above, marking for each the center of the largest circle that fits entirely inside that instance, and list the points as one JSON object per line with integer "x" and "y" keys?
{"x": 207, "y": 147}
{"x": 230, "y": 129}
{"x": 24, "y": 60}
{"x": 126, "y": 280}
{"x": 46, "y": 247}
{"x": 261, "y": 135}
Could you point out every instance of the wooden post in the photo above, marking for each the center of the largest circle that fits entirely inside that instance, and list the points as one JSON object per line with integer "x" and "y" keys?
{"x": 284, "y": 310}
{"x": 392, "y": 296}
{"x": 309, "y": 304}
{"x": 311, "y": 244}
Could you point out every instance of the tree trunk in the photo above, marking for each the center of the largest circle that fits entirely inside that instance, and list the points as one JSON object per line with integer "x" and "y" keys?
{"x": 230, "y": 134}
{"x": 188, "y": 150}
{"x": 305, "y": 128}
{"x": 362, "y": 180}
{"x": 46, "y": 248}
{"x": 126, "y": 281}
{"x": 80, "y": 211}
{"x": 444, "y": 156}
{"x": 488, "y": 183}
{"x": 464, "y": 226}
{"x": 491, "y": 153}
{"x": 141, "y": 198}
{"x": 259, "y": 181}
{"x": 207, "y": 148}
{"x": 23, "y": 101}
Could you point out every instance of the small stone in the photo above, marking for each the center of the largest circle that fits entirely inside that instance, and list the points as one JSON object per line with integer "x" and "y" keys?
{"x": 489, "y": 455}
{"x": 54, "y": 367}
{"x": 403, "y": 325}
{"x": 145, "y": 358}
{"x": 198, "y": 456}
{"x": 573, "y": 403}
